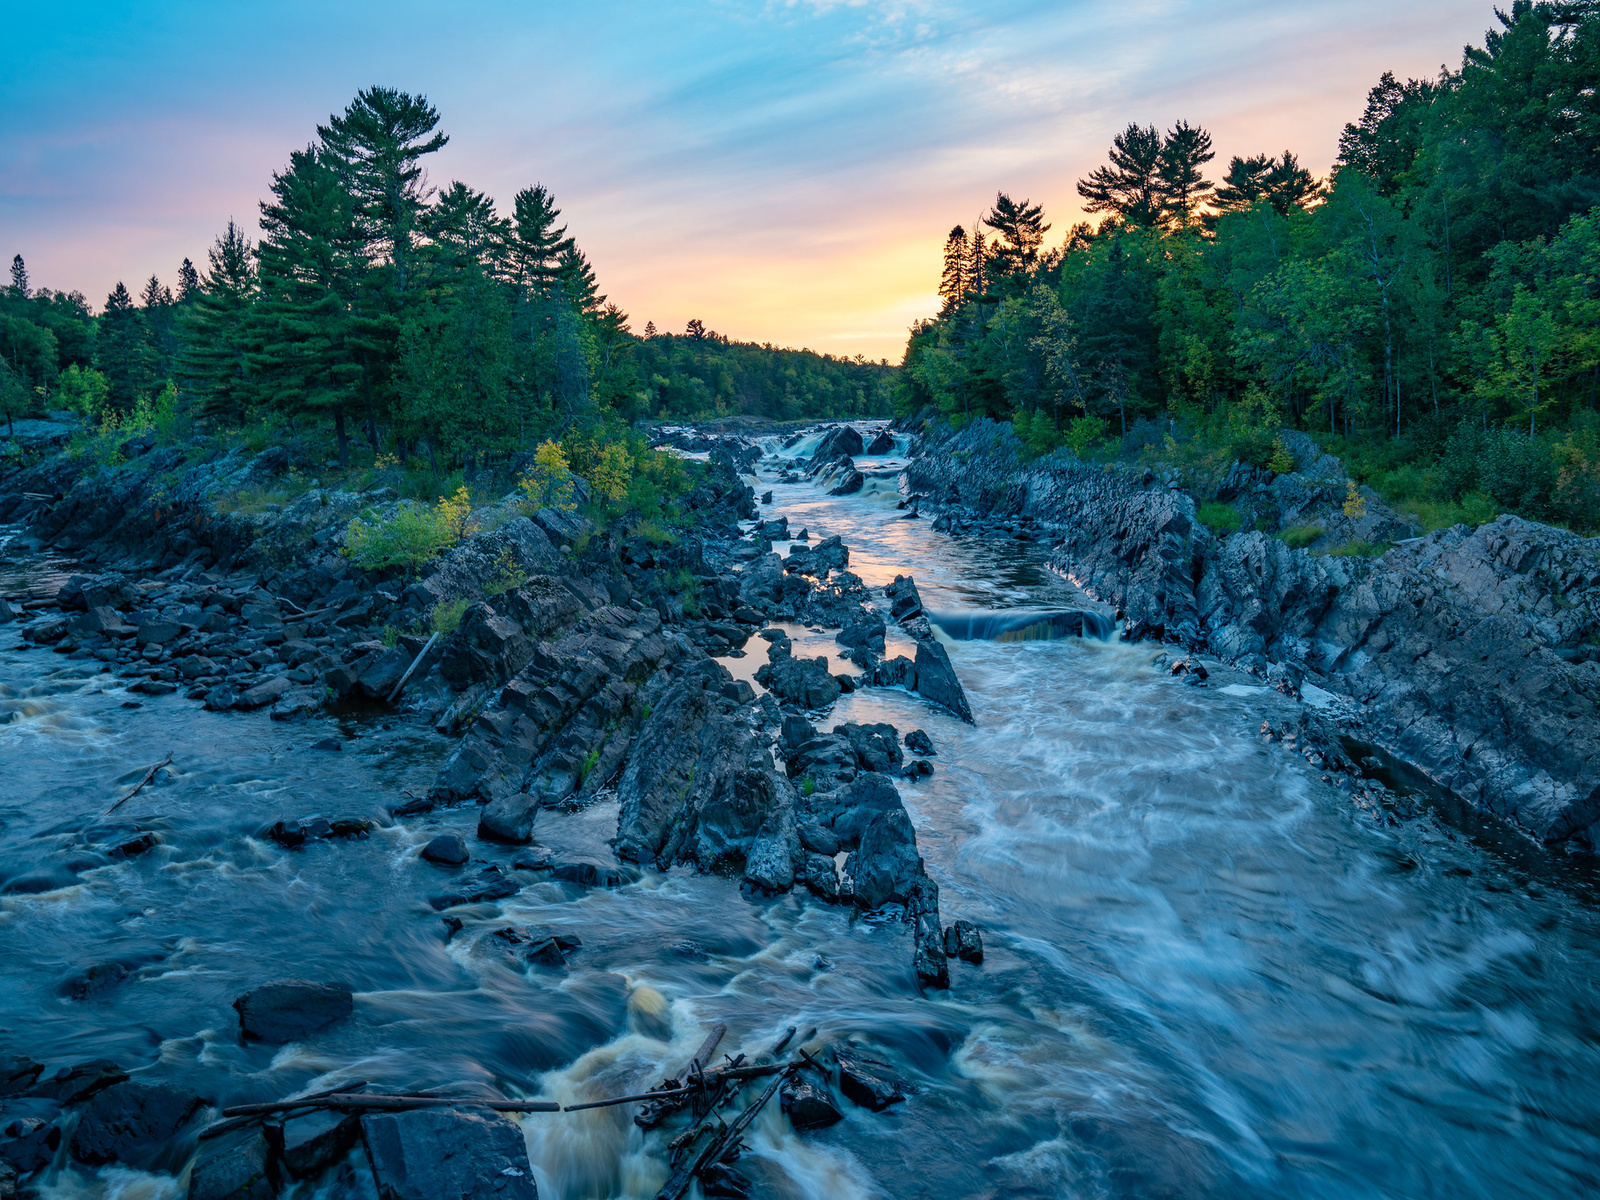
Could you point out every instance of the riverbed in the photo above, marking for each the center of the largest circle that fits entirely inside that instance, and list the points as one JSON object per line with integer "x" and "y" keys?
{"x": 1206, "y": 972}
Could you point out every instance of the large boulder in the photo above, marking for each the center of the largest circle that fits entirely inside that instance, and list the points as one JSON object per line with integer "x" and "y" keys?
{"x": 936, "y": 680}
{"x": 131, "y": 1123}
{"x": 487, "y": 646}
{"x": 286, "y": 1010}
{"x": 847, "y": 812}
{"x": 840, "y": 442}
{"x": 447, "y": 1154}
{"x": 802, "y": 682}
{"x": 886, "y": 868}
{"x": 876, "y": 747}
{"x": 234, "y": 1166}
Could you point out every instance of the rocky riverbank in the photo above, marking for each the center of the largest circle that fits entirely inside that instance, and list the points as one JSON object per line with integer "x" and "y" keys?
{"x": 585, "y": 662}
{"x": 1472, "y": 655}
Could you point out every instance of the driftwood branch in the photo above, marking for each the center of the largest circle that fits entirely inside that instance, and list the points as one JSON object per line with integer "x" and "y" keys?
{"x": 228, "y": 1126}
{"x": 420, "y": 656}
{"x": 148, "y": 776}
{"x": 364, "y": 1102}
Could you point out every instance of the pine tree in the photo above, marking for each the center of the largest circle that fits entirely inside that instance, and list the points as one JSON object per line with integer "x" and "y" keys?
{"x": 1184, "y": 189}
{"x": 214, "y": 329}
{"x": 650, "y": 329}
{"x": 977, "y": 262}
{"x": 953, "y": 283}
{"x": 188, "y": 282}
{"x": 540, "y": 244}
{"x": 124, "y": 353}
{"x": 19, "y": 278}
{"x": 1021, "y": 228}
{"x": 378, "y": 143}
{"x": 311, "y": 348}
{"x": 1289, "y": 185}
{"x": 1245, "y": 182}
{"x": 579, "y": 278}
{"x": 1131, "y": 188}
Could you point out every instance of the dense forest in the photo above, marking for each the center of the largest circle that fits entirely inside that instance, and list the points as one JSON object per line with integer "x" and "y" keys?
{"x": 1431, "y": 311}
{"x": 416, "y": 322}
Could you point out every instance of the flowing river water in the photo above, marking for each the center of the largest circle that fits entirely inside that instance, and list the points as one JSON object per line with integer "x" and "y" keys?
{"x": 1206, "y": 974}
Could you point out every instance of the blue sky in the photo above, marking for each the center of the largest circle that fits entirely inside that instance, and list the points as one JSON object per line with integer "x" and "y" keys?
{"x": 785, "y": 171}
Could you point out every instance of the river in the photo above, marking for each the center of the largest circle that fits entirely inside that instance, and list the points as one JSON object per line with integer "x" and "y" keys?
{"x": 1206, "y": 973}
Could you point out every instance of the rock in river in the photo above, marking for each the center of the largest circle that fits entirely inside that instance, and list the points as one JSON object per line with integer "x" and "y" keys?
{"x": 288, "y": 1009}
{"x": 433, "y": 1153}
{"x": 131, "y": 1123}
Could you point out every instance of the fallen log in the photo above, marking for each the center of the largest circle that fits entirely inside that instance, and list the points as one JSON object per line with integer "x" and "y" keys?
{"x": 374, "y": 1102}
{"x": 420, "y": 656}
{"x": 220, "y": 1127}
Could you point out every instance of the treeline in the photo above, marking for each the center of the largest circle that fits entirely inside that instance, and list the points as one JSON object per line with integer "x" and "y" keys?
{"x": 1431, "y": 311}
{"x": 701, "y": 373}
{"x": 425, "y": 322}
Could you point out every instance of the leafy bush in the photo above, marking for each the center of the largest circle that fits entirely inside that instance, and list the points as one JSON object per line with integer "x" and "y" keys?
{"x": 446, "y": 616}
{"x": 1223, "y": 518}
{"x": 548, "y": 483}
{"x": 413, "y": 536}
{"x": 1301, "y": 536}
{"x": 508, "y": 577}
{"x": 1360, "y": 548}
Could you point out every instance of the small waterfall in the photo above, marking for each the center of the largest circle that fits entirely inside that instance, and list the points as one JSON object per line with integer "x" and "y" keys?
{"x": 1024, "y": 626}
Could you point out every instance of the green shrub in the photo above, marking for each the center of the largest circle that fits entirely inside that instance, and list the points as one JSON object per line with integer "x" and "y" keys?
{"x": 510, "y": 575}
{"x": 1360, "y": 548}
{"x": 652, "y": 531}
{"x": 413, "y": 536}
{"x": 807, "y": 786}
{"x": 446, "y": 616}
{"x": 1223, "y": 518}
{"x": 1301, "y": 536}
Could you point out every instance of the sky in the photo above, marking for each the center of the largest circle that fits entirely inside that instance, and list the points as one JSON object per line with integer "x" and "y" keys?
{"x": 784, "y": 170}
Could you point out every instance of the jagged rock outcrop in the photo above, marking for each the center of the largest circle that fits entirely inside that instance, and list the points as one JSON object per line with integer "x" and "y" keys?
{"x": 1473, "y": 655}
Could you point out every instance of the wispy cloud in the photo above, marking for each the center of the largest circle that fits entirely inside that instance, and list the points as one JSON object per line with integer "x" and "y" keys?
{"x": 782, "y": 169}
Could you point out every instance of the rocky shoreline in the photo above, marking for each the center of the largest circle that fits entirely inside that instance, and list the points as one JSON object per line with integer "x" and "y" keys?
{"x": 1472, "y": 656}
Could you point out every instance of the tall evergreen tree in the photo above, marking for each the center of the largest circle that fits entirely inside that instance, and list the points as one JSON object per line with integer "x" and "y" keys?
{"x": 1131, "y": 187}
{"x": 19, "y": 277}
{"x": 157, "y": 304}
{"x": 953, "y": 283}
{"x": 188, "y": 282}
{"x": 540, "y": 243}
{"x": 1184, "y": 153}
{"x": 579, "y": 278}
{"x": 123, "y": 351}
{"x": 215, "y": 331}
{"x": 1021, "y": 228}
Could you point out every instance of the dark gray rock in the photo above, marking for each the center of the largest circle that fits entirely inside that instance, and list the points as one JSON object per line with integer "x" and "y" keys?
{"x": 261, "y": 694}
{"x": 883, "y": 443}
{"x": 509, "y": 819}
{"x": 936, "y": 680}
{"x": 17, "y": 1073}
{"x": 234, "y": 1166}
{"x": 802, "y": 682}
{"x": 222, "y": 698}
{"x": 286, "y": 1010}
{"x": 886, "y": 868}
{"x": 448, "y": 849}
{"x": 157, "y": 633}
{"x": 847, "y": 812}
{"x": 918, "y": 768}
{"x": 131, "y": 1123}
{"x": 819, "y": 839}
{"x": 851, "y": 483}
{"x": 30, "y": 1134}
{"x": 866, "y": 1080}
{"x": 962, "y": 940}
{"x": 876, "y": 747}
{"x": 487, "y": 646}
{"x": 447, "y": 1154}
{"x": 841, "y": 442}
{"x": 475, "y": 887}
{"x": 821, "y": 876}
{"x": 72, "y": 1085}
{"x": 918, "y": 742}
{"x": 308, "y": 1142}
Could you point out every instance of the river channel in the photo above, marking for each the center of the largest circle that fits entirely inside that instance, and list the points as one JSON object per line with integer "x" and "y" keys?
{"x": 1206, "y": 973}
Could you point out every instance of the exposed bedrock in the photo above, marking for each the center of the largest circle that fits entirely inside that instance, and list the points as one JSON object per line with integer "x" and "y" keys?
{"x": 1471, "y": 654}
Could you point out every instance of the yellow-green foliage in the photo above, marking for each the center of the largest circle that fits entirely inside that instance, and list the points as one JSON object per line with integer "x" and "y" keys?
{"x": 446, "y": 615}
{"x": 614, "y": 472}
{"x": 509, "y": 575}
{"x": 548, "y": 483}
{"x": 413, "y": 536}
{"x": 1355, "y": 504}
{"x": 83, "y": 390}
